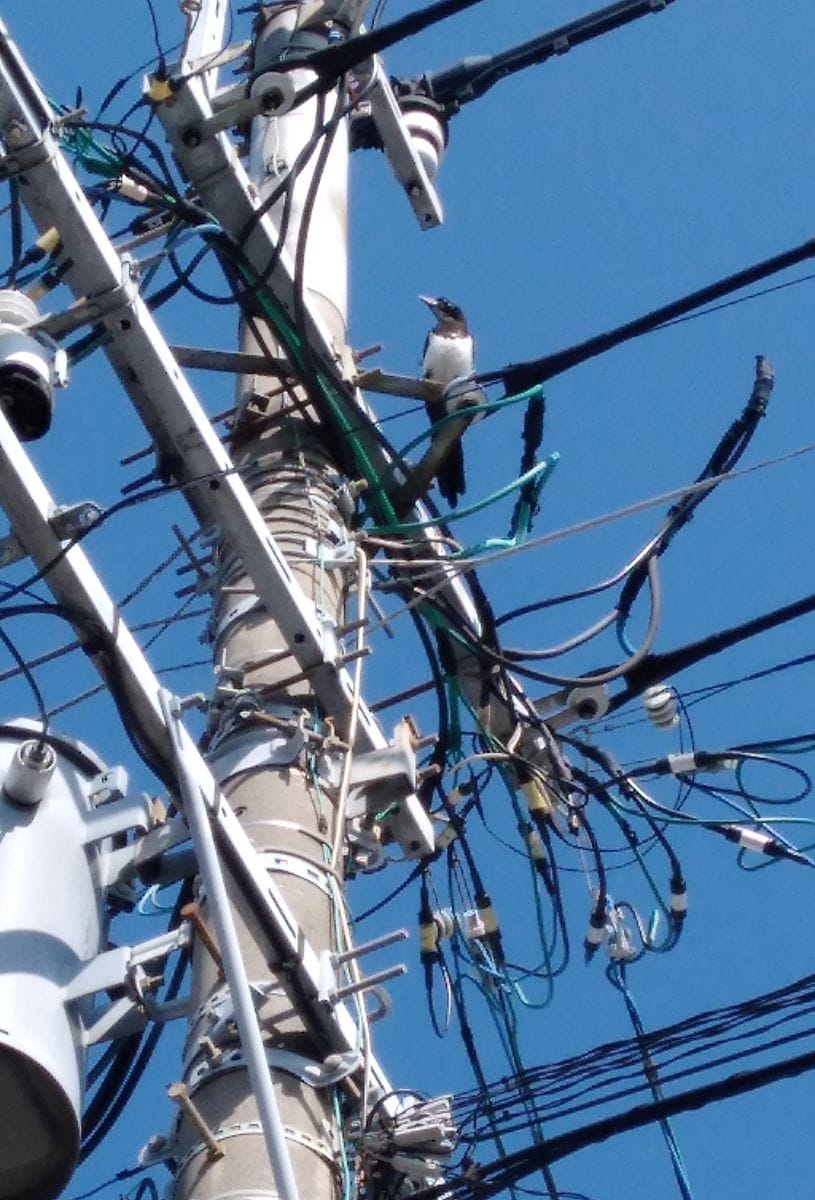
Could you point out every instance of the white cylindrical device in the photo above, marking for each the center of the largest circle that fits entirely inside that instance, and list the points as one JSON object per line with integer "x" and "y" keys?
{"x": 428, "y": 133}
{"x": 52, "y": 921}
{"x": 661, "y": 705}
{"x": 31, "y": 366}
{"x": 30, "y": 772}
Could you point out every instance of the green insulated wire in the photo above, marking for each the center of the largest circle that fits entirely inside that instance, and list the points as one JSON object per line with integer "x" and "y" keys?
{"x": 294, "y": 346}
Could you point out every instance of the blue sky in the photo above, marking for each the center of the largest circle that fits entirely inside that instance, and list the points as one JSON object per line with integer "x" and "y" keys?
{"x": 577, "y": 196}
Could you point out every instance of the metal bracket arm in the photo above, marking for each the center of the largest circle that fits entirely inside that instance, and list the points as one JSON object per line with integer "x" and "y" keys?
{"x": 66, "y": 523}
{"x": 206, "y": 37}
{"x": 400, "y": 150}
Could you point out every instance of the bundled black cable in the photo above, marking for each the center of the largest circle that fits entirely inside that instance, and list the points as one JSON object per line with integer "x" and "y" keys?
{"x": 724, "y": 458}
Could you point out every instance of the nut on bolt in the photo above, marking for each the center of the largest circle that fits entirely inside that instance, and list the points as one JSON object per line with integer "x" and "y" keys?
{"x": 16, "y": 132}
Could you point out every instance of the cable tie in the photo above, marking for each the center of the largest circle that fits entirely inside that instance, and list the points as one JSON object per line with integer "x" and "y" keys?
{"x": 159, "y": 89}
{"x": 428, "y": 938}
{"x": 446, "y": 835}
{"x": 537, "y": 797}
{"x": 533, "y": 841}
{"x": 681, "y": 764}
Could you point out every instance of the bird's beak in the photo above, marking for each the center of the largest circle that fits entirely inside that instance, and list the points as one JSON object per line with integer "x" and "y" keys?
{"x": 430, "y": 301}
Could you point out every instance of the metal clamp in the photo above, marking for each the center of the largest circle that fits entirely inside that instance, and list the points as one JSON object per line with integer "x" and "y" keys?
{"x": 21, "y": 154}
{"x": 255, "y": 749}
{"x": 159, "y": 1150}
{"x": 316, "y": 1074}
{"x": 98, "y": 306}
{"x": 67, "y": 522}
{"x": 299, "y": 866}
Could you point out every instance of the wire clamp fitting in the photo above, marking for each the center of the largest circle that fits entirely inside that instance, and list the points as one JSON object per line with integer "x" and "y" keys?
{"x": 67, "y": 522}
{"x": 331, "y": 1071}
{"x": 24, "y": 148}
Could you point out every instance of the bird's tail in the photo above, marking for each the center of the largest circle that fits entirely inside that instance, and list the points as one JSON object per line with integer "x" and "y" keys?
{"x": 451, "y": 477}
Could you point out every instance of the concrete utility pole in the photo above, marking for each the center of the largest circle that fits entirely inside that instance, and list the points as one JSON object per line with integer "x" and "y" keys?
{"x": 258, "y": 709}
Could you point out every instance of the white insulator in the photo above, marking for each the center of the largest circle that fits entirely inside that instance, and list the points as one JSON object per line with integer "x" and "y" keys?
{"x": 29, "y": 773}
{"x": 445, "y": 923}
{"x": 17, "y": 309}
{"x": 428, "y": 135}
{"x": 661, "y": 705}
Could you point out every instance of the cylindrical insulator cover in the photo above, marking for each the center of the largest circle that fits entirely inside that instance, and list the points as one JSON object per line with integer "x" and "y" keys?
{"x": 661, "y": 705}
{"x": 51, "y": 922}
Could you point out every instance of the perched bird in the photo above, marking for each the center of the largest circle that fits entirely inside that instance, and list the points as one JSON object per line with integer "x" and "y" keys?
{"x": 449, "y": 353}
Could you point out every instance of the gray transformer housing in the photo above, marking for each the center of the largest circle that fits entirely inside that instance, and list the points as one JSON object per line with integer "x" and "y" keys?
{"x": 52, "y": 921}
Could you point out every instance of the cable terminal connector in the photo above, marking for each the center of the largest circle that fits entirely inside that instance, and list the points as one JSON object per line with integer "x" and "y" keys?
{"x": 763, "y": 386}
{"x": 535, "y": 844}
{"x": 762, "y": 843}
{"x": 678, "y": 902}
{"x": 539, "y": 798}
{"x": 596, "y": 934}
{"x": 129, "y": 189}
{"x": 446, "y": 835}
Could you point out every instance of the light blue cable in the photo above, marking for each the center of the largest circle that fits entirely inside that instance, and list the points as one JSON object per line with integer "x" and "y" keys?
{"x": 616, "y": 976}
{"x": 524, "y": 517}
{"x": 543, "y": 469}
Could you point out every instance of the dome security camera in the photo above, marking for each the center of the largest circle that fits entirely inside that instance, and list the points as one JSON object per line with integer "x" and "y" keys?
{"x": 31, "y": 366}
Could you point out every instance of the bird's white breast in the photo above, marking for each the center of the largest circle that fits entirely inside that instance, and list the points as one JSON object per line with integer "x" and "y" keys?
{"x": 447, "y": 358}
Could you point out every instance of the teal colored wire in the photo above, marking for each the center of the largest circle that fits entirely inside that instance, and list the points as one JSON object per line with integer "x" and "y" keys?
{"x": 286, "y": 332}
{"x": 536, "y": 895}
{"x": 616, "y": 976}
{"x": 186, "y": 233}
{"x": 345, "y": 1170}
{"x": 652, "y": 884}
{"x": 493, "y": 1011}
{"x": 755, "y": 818}
{"x": 705, "y": 823}
{"x": 458, "y": 994}
{"x": 506, "y": 1024}
{"x": 622, "y": 637}
{"x": 543, "y": 470}
{"x": 470, "y": 410}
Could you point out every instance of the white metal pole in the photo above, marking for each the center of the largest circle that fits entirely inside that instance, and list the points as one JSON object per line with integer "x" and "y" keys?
{"x": 234, "y": 967}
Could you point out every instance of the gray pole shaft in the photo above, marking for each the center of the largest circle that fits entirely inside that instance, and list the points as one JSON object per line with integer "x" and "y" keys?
{"x": 287, "y": 817}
